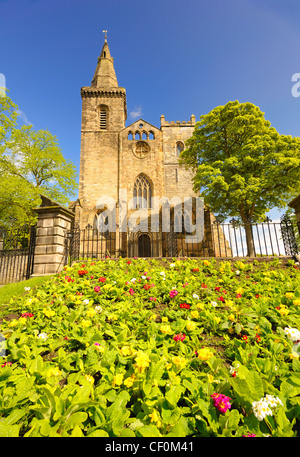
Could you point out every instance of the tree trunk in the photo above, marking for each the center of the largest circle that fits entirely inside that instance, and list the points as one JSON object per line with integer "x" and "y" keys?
{"x": 249, "y": 240}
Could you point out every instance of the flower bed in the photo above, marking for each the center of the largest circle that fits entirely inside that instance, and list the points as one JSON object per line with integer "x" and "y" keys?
{"x": 136, "y": 348}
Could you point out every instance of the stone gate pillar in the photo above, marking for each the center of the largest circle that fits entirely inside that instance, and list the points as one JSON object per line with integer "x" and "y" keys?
{"x": 53, "y": 223}
{"x": 295, "y": 204}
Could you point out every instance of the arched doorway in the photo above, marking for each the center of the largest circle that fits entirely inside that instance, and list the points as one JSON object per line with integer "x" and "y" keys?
{"x": 144, "y": 245}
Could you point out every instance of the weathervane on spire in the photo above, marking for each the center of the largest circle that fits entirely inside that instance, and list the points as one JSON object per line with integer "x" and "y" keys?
{"x": 105, "y": 32}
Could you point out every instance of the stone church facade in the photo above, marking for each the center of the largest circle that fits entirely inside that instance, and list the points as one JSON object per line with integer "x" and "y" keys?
{"x": 141, "y": 159}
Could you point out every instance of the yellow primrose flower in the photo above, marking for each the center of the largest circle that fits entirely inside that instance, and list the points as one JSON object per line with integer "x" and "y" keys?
{"x": 210, "y": 378}
{"x": 294, "y": 355}
{"x": 283, "y": 310}
{"x": 164, "y": 319}
{"x": 53, "y": 372}
{"x": 153, "y": 317}
{"x": 129, "y": 381}
{"x": 231, "y": 317}
{"x": 86, "y": 323}
{"x": 168, "y": 366}
{"x": 91, "y": 312}
{"x": 194, "y": 314}
{"x": 289, "y": 295}
{"x": 217, "y": 319}
{"x": 89, "y": 378}
{"x": 14, "y": 322}
{"x": 230, "y": 303}
{"x": 179, "y": 361}
{"x": 296, "y": 302}
{"x": 199, "y": 306}
{"x": 49, "y": 312}
{"x": 190, "y": 325}
{"x": 204, "y": 354}
{"x": 206, "y": 262}
{"x": 240, "y": 290}
{"x": 125, "y": 350}
{"x": 22, "y": 320}
{"x": 155, "y": 418}
{"x": 118, "y": 379}
{"x": 165, "y": 329}
{"x": 142, "y": 361}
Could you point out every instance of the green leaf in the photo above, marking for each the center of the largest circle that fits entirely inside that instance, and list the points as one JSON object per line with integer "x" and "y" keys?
{"x": 255, "y": 384}
{"x": 36, "y": 366}
{"x": 77, "y": 432}
{"x": 173, "y": 395}
{"x": 233, "y": 419}
{"x": 148, "y": 431}
{"x": 181, "y": 428}
{"x": 14, "y": 416}
{"x": 9, "y": 431}
{"x": 76, "y": 419}
{"x": 98, "y": 434}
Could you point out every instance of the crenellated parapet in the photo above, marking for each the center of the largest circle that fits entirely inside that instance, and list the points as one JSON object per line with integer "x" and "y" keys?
{"x": 190, "y": 123}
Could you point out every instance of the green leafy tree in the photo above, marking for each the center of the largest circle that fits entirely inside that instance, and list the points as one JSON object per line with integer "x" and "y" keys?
{"x": 243, "y": 167}
{"x": 31, "y": 163}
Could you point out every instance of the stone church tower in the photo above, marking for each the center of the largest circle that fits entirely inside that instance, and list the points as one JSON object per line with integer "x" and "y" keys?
{"x": 140, "y": 158}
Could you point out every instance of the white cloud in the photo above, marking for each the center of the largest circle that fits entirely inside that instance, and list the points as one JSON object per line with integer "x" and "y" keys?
{"x": 2, "y": 85}
{"x": 24, "y": 118}
{"x": 136, "y": 112}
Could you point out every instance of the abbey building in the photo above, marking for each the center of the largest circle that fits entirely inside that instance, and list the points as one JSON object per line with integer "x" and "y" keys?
{"x": 140, "y": 158}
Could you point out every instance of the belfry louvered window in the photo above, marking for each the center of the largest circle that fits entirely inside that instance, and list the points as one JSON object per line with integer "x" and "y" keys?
{"x": 142, "y": 192}
{"x": 103, "y": 118}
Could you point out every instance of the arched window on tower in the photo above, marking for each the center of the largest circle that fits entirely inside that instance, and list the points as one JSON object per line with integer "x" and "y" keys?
{"x": 103, "y": 117}
{"x": 179, "y": 148}
{"x": 142, "y": 192}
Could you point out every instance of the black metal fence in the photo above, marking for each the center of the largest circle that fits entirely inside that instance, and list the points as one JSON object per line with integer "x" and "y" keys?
{"x": 16, "y": 253}
{"x": 217, "y": 240}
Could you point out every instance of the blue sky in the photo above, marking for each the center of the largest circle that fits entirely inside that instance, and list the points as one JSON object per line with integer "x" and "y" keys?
{"x": 174, "y": 58}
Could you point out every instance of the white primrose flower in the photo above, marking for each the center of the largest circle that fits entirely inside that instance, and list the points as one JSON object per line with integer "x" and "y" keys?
{"x": 172, "y": 265}
{"x": 99, "y": 309}
{"x": 86, "y": 301}
{"x": 27, "y": 288}
{"x": 133, "y": 280}
{"x": 43, "y": 336}
{"x": 292, "y": 333}
{"x": 162, "y": 273}
{"x": 237, "y": 272}
{"x": 262, "y": 408}
{"x": 196, "y": 296}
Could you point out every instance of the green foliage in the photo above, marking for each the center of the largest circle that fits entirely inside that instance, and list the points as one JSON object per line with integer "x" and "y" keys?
{"x": 87, "y": 363}
{"x": 243, "y": 167}
{"x": 31, "y": 163}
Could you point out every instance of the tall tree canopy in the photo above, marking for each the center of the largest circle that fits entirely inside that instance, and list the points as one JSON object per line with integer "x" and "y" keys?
{"x": 243, "y": 167}
{"x": 31, "y": 163}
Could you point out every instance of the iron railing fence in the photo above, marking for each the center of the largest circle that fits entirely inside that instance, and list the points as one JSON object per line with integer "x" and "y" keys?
{"x": 16, "y": 253}
{"x": 218, "y": 240}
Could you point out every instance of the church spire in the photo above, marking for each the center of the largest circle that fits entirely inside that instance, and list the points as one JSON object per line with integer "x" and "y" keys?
{"x": 105, "y": 75}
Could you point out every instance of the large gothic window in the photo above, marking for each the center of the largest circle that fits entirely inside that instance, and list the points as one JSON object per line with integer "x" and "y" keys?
{"x": 142, "y": 192}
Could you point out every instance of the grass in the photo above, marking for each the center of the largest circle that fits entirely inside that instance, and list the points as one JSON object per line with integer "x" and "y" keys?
{"x": 16, "y": 289}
